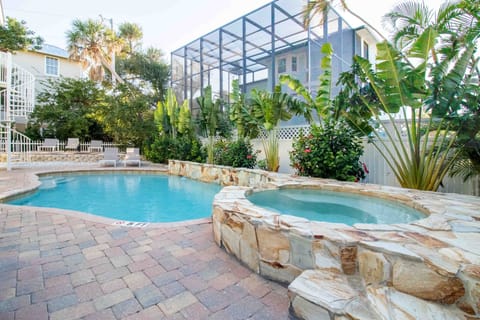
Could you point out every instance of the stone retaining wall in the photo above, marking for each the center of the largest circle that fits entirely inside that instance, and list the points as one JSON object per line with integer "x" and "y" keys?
{"x": 427, "y": 269}
{"x": 225, "y": 176}
{"x": 59, "y": 157}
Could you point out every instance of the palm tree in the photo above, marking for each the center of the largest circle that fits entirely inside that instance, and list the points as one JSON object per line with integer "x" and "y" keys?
{"x": 457, "y": 27}
{"x": 132, "y": 33}
{"x": 321, "y": 8}
{"x": 409, "y": 19}
{"x": 91, "y": 42}
{"x": 269, "y": 108}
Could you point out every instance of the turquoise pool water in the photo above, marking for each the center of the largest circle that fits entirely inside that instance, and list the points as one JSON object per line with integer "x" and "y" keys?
{"x": 131, "y": 197}
{"x": 335, "y": 207}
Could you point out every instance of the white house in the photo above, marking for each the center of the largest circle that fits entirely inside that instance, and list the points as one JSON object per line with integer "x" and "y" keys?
{"x": 49, "y": 62}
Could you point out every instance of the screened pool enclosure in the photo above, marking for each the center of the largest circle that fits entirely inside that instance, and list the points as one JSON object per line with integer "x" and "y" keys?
{"x": 259, "y": 46}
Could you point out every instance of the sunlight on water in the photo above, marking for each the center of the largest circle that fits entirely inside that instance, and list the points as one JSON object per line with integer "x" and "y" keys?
{"x": 335, "y": 207}
{"x": 132, "y": 197}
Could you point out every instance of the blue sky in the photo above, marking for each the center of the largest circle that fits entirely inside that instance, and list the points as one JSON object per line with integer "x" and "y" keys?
{"x": 166, "y": 24}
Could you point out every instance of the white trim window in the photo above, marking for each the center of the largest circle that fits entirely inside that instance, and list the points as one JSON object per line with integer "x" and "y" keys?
{"x": 51, "y": 66}
{"x": 291, "y": 63}
{"x": 294, "y": 64}
{"x": 282, "y": 65}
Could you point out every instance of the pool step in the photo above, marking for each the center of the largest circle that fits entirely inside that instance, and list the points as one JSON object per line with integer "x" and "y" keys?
{"x": 329, "y": 295}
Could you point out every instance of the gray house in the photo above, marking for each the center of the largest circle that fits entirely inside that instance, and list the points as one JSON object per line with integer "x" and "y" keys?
{"x": 259, "y": 46}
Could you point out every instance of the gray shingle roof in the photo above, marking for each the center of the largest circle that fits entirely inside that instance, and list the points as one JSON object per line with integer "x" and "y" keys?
{"x": 53, "y": 50}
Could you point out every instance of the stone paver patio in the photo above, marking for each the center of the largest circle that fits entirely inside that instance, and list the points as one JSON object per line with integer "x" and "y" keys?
{"x": 62, "y": 266}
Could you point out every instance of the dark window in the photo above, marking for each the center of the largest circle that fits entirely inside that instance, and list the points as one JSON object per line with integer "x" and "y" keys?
{"x": 282, "y": 65}
{"x": 294, "y": 64}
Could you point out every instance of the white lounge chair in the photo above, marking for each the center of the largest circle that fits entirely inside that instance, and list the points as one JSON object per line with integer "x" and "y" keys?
{"x": 72, "y": 144}
{"x": 95, "y": 145}
{"x": 48, "y": 145}
{"x": 132, "y": 157}
{"x": 110, "y": 156}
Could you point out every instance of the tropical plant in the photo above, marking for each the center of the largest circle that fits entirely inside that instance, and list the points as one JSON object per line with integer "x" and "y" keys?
{"x": 172, "y": 118}
{"x": 127, "y": 116}
{"x": 238, "y": 154}
{"x": 458, "y": 27}
{"x": 146, "y": 70}
{"x": 15, "y": 35}
{"x": 132, "y": 33}
{"x": 452, "y": 70}
{"x": 175, "y": 138}
{"x": 92, "y": 43}
{"x": 333, "y": 148}
{"x": 408, "y": 20}
{"x": 185, "y": 147}
{"x": 241, "y": 114}
{"x": 424, "y": 158}
{"x": 210, "y": 119}
{"x": 321, "y": 103}
{"x": 331, "y": 151}
{"x": 66, "y": 108}
{"x": 269, "y": 109}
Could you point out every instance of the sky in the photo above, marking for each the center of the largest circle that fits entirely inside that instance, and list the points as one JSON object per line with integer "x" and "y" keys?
{"x": 166, "y": 24}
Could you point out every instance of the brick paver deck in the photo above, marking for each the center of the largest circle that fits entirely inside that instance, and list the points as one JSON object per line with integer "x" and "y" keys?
{"x": 60, "y": 266}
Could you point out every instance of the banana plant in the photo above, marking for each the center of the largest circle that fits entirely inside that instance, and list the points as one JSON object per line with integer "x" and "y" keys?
{"x": 171, "y": 117}
{"x": 305, "y": 102}
{"x": 241, "y": 114}
{"x": 209, "y": 119}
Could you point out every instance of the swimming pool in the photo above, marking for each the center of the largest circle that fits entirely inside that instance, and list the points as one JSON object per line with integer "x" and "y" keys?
{"x": 337, "y": 207}
{"x": 126, "y": 196}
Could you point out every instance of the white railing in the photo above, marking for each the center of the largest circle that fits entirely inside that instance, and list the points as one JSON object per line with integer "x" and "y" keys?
{"x": 83, "y": 146}
{"x": 3, "y": 69}
{"x": 20, "y": 145}
{"x": 18, "y": 89}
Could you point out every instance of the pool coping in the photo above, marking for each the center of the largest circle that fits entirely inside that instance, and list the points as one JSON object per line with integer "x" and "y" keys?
{"x": 31, "y": 182}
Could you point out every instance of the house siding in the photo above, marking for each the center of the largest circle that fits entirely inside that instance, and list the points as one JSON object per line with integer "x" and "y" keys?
{"x": 34, "y": 63}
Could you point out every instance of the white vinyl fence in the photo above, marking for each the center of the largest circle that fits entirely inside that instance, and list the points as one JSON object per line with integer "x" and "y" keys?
{"x": 20, "y": 145}
{"x": 379, "y": 172}
{"x": 83, "y": 146}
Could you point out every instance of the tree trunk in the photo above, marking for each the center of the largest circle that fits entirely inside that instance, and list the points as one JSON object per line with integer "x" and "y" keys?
{"x": 112, "y": 71}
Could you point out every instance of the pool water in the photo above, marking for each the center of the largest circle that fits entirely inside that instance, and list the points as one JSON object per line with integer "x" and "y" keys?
{"x": 131, "y": 197}
{"x": 337, "y": 207}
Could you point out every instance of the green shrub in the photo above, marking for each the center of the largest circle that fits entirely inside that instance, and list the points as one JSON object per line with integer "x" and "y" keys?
{"x": 330, "y": 151}
{"x": 181, "y": 148}
{"x": 237, "y": 154}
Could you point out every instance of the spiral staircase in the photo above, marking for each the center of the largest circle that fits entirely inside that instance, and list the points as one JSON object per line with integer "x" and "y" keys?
{"x": 17, "y": 97}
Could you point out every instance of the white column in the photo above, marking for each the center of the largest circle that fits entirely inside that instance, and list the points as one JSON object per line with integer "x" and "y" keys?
{"x": 8, "y": 120}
